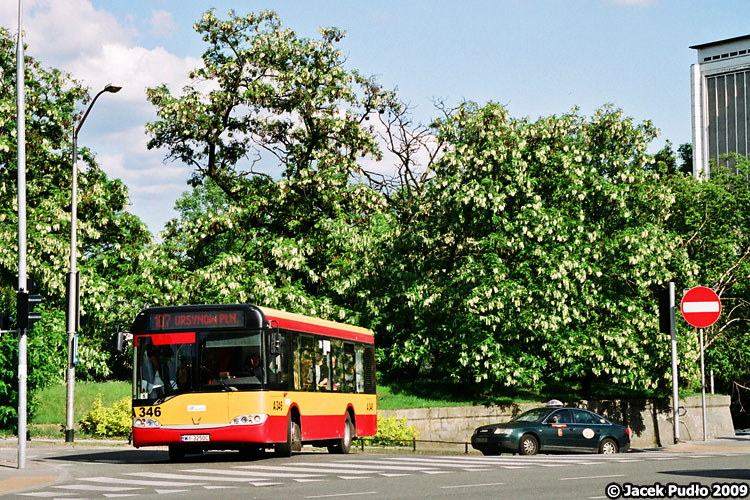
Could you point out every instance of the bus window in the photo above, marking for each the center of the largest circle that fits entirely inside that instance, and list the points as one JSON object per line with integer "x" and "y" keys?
{"x": 320, "y": 373}
{"x": 306, "y": 363}
{"x": 359, "y": 368}
{"x": 347, "y": 367}
{"x": 337, "y": 372}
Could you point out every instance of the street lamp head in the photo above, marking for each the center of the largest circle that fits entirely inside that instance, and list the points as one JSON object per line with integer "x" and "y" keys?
{"x": 112, "y": 88}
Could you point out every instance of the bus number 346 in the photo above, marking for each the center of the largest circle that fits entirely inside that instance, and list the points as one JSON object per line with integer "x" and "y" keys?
{"x": 147, "y": 412}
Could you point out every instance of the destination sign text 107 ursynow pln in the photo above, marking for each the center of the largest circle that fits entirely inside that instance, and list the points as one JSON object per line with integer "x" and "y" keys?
{"x": 214, "y": 319}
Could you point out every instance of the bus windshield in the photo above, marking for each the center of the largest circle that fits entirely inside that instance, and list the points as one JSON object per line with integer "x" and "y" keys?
{"x": 167, "y": 365}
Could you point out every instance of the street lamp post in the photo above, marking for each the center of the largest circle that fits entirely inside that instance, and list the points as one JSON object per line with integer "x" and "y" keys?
{"x": 73, "y": 288}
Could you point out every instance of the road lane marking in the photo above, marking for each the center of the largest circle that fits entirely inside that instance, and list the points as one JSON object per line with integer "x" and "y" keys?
{"x": 470, "y": 485}
{"x": 590, "y": 477}
{"x": 345, "y": 494}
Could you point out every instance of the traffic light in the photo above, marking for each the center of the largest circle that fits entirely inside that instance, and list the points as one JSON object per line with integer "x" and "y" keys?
{"x": 25, "y": 304}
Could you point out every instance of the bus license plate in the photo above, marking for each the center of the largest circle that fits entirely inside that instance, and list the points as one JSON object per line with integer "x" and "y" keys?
{"x": 195, "y": 437}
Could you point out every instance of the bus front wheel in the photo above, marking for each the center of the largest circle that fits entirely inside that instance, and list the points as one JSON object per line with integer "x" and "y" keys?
{"x": 176, "y": 453}
{"x": 293, "y": 440}
{"x": 344, "y": 445}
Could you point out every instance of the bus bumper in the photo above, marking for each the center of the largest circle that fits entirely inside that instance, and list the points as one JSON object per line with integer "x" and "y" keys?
{"x": 273, "y": 430}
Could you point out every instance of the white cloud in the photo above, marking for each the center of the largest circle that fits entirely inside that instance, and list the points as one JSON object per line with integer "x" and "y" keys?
{"x": 162, "y": 24}
{"x": 134, "y": 68}
{"x": 96, "y": 48}
{"x": 57, "y": 31}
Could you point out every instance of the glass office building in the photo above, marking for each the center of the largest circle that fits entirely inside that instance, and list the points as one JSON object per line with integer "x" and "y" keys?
{"x": 720, "y": 102}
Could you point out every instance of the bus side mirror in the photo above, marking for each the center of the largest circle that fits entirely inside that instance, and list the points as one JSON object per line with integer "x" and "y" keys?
{"x": 275, "y": 343}
{"x": 121, "y": 341}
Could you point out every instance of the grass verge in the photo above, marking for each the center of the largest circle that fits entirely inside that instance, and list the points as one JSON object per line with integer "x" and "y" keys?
{"x": 49, "y": 419}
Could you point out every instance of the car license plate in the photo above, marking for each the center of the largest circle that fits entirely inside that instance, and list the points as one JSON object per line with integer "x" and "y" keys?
{"x": 195, "y": 437}
{"x": 481, "y": 439}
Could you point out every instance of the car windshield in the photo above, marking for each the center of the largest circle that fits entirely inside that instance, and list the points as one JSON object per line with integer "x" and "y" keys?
{"x": 531, "y": 415}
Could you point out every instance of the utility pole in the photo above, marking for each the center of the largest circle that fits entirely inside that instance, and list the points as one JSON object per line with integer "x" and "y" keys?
{"x": 74, "y": 291}
{"x": 21, "y": 164}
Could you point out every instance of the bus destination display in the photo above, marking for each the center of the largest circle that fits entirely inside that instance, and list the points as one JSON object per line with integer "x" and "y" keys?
{"x": 196, "y": 319}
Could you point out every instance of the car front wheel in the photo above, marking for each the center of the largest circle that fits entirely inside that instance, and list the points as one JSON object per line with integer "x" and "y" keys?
{"x": 528, "y": 445}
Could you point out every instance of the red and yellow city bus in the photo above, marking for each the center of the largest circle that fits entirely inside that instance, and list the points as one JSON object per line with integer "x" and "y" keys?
{"x": 249, "y": 378}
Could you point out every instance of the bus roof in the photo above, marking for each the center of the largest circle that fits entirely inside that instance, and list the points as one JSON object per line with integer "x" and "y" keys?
{"x": 310, "y": 324}
{"x": 189, "y": 317}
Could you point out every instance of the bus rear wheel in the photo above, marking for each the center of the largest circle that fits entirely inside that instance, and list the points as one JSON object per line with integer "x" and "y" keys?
{"x": 344, "y": 445}
{"x": 293, "y": 440}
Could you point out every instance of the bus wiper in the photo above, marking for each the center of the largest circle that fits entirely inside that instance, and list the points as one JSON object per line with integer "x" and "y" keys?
{"x": 163, "y": 399}
{"x": 227, "y": 387}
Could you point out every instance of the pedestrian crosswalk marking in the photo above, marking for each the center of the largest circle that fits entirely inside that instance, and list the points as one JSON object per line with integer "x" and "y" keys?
{"x": 161, "y": 492}
{"x": 43, "y": 494}
{"x": 259, "y": 474}
{"x": 376, "y": 465}
{"x": 117, "y": 495}
{"x": 306, "y": 468}
{"x": 142, "y": 482}
{"x": 96, "y": 487}
{"x": 199, "y": 477}
{"x": 426, "y": 462}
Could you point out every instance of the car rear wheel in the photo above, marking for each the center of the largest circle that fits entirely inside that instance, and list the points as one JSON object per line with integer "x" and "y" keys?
{"x": 608, "y": 447}
{"x": 528, "y": 445}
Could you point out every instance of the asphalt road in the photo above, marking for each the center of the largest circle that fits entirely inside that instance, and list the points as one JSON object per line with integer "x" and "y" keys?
{"x": 106, "y": 472}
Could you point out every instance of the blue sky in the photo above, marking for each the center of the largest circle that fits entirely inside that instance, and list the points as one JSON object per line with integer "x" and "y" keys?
{"x": 537, "y": 57}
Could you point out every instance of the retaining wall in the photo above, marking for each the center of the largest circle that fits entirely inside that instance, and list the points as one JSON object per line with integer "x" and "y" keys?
{"x": 650, "y": 420}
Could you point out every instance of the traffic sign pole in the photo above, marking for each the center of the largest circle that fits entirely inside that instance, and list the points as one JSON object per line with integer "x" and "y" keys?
{"x": 701, "y": 307}
{"x": 703, "y": 388}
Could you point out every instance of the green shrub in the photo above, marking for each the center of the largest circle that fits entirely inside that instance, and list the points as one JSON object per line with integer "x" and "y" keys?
{"x": 114, "y": 421}
{"x": 394, "y": 431}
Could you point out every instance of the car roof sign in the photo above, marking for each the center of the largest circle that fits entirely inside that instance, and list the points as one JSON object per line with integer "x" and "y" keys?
{"x": 554, "y": 402}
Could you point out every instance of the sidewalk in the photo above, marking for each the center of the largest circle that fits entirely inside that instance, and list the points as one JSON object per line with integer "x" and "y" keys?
{"x": 38, "y": 471}
{"x": 733, "y": 444}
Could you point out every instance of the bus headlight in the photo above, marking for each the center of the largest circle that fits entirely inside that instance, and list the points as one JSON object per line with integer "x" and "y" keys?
{"x": 146, "y": 423}
{"x": 249, "y": 419}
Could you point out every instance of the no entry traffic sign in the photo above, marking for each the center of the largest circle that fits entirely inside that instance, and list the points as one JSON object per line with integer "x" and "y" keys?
{"x": 701, "y": 307}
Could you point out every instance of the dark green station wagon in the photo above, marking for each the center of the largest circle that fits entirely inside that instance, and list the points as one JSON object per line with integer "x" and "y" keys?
{"x": 552, "y": 429}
